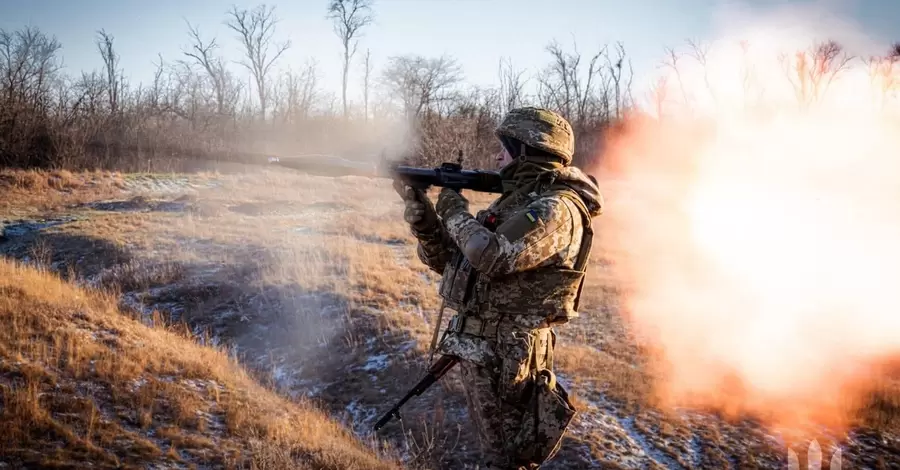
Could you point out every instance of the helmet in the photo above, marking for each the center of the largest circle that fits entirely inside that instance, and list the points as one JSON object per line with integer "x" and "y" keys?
{"x": 540, "y": 128}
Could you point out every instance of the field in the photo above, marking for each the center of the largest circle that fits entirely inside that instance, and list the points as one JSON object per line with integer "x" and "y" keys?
{"x": 260, "y": 318}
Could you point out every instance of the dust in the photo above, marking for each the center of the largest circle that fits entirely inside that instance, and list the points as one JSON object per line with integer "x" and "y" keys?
{"x": 284, "y": 267}
{"x": 756, "y": 218}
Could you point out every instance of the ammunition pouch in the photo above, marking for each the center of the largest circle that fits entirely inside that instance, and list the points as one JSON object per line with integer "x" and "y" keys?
{"x": 516, "y": 352}
{"x": 547, "y": 416}
{"x": 457, "y": 282}
{"x": 467, "y": 324}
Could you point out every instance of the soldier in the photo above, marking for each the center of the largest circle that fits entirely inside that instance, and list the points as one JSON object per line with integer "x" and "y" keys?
{"x": 510, "y": 274}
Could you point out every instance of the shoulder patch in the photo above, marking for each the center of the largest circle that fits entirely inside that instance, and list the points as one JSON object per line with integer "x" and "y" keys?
{"x": 533, "y": 221}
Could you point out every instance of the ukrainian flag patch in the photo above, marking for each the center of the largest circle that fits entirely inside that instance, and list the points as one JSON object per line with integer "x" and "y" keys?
{"x": 531, "y": 215}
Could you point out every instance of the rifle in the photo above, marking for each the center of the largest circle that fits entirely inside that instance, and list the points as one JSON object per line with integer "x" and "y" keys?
{"x": 435, "y": 372}
{"x": 448, "y": 175}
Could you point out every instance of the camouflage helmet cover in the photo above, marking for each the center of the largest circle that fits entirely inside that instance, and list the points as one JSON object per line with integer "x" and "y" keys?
{"x": 540, "y": 128}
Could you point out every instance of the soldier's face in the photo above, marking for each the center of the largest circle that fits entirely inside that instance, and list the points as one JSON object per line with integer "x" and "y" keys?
{"x": 503, "y": 158}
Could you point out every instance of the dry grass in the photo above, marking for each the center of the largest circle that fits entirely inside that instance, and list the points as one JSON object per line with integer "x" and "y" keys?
{"x": 277, "y": 229}
{"x": 82, "y": 383}
{"x": 618, "y": 379}
{"x": 135, "y": 275}
{"x": 31, "y": 191}
{"x": 275, "y": 237}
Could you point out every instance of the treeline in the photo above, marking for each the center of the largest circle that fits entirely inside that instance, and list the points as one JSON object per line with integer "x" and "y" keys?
{"x": 198, "y": 105}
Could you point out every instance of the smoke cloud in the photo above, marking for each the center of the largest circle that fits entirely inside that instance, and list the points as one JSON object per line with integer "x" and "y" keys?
{"x": 758, "y": 221}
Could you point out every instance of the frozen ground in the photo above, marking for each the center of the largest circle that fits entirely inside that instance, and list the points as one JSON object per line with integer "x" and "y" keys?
{"x": 355, "y": 367}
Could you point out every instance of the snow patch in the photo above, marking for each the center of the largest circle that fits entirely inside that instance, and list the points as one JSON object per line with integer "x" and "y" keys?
{"x": 18, "y": 228}
{"x": 359, "y": 416}
{"x": 137, "y": 383}
{"x": 376, "y": 363}
{"x": 696, "y": 450}
{"x": 646, "y": 446}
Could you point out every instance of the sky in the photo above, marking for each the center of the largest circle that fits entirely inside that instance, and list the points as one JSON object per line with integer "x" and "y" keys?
{"x": 478, "y": 33}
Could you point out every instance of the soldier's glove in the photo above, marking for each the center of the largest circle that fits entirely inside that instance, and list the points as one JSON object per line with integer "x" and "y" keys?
{"x": 419, "y": 212}
{"x": 451, "y": 202}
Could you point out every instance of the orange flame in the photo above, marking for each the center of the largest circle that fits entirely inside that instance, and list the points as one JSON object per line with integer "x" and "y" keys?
{"x": 759, "y": 222}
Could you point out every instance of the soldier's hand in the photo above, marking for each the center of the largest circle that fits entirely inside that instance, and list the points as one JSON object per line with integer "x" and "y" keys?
{"x": 407, "y": 192}
{"x": 451, "y": 202}
{"x": 419, "y": 211}
{"x": 414, "y": 213}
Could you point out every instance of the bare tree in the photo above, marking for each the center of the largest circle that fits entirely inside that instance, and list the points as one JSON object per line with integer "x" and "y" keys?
{"x": 812, "y": 72}
{"x": 111, "y": 63}
{"x": 621, "y": 80}
{"x": 579, "y": 95}
{"x": 203, "y": 55}
{"x": 672, "y": 59}
{"x": 298, "y": 93}
{"x": 420, "y": 82}
{"x": 28, "y": 63}
{"x": 255, "y": 29}
{"x": 511, "y": 86}
{"x": 194, "y": 105}
{"x": 367, "y": 67}
{"x": 883, "y": 75}
{"x": 700, "y": 51}
{"x": 463, "y": 124}
{"x": 659, "y": 95}
{"x": 591, "y": 92}
{"x": 28, "y": 69}
{"x": 349, "y": 17}
{"x": 155, "y": 95}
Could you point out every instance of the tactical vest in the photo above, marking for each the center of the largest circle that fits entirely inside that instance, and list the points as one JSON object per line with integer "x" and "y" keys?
{"x": 550, "y": 293}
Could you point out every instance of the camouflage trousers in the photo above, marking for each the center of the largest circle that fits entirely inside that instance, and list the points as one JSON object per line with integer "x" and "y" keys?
{"x": 520, "y": 419}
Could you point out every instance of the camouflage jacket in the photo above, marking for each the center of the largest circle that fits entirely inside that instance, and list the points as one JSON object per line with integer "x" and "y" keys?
{"x": 515, "y": 260}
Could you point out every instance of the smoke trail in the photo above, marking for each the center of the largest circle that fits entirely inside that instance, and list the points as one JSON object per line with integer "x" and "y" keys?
{"x": 758, "y": 221}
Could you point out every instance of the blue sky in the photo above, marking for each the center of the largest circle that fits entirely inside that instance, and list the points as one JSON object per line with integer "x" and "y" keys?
{"x": 477, "y": 32}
